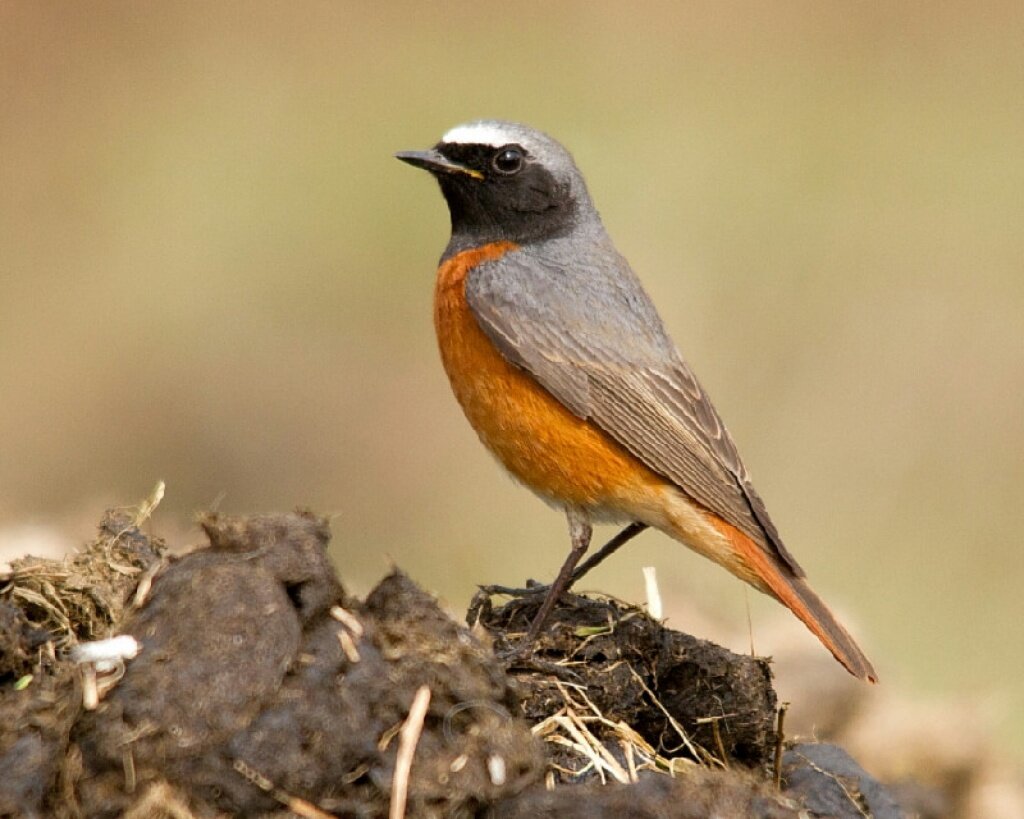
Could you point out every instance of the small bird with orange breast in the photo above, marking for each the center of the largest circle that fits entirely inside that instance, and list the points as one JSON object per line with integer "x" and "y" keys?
{"x": 564, "y": 369}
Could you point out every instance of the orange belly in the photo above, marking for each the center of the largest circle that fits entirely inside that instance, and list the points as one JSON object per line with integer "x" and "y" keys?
{"x": 560, "y": 456}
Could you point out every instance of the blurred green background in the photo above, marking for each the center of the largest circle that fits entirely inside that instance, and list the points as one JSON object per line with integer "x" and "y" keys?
{"x": 213, "y": 272}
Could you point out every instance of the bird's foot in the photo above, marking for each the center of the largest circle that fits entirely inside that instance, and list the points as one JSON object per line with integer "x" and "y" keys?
{"x": 531, "y": 589}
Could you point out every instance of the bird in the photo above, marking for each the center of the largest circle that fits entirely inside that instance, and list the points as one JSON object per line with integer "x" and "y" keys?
{"x": 564, "y": 368}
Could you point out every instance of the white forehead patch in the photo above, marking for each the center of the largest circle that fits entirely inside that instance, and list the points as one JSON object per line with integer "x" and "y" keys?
{"x": 480, "y": 133}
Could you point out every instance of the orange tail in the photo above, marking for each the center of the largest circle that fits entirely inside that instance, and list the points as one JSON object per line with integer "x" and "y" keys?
{"x": 794, "y": 593}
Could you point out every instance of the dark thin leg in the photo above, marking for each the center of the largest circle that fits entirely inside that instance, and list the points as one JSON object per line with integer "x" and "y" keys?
{"x": 580, "y": 532}
{"x": 621, "y": 539}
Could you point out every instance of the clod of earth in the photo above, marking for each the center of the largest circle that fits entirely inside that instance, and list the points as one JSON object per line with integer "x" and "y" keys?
{"x": 263, "y": 689}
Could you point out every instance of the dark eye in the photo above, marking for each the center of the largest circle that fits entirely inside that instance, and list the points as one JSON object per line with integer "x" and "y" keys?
{"x": 508, "y": 160}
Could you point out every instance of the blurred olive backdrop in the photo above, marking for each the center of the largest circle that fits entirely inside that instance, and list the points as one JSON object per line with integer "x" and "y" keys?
{"x": 213, "y": 272}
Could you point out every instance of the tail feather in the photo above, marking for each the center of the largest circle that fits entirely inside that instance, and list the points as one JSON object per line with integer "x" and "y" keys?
{"x": 805, "y": 604}
{"x": 794, "y": 593}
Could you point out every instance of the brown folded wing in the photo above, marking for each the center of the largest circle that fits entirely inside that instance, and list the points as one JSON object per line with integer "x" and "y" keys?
{"x": 591, "y": 337}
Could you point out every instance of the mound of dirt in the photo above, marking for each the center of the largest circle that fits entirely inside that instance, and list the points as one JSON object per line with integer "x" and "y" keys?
{"x": 687, "y": 698}
{"x": 261, "y": 688}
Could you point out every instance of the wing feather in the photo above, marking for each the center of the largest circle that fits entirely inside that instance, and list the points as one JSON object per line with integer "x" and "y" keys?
{"x": 589, "y": 334}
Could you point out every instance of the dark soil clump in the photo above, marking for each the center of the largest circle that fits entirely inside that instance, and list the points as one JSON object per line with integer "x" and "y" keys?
{"x": 262, "y": 689}
{"x": 686, "y": 697}
{"x": 261, "y": 683}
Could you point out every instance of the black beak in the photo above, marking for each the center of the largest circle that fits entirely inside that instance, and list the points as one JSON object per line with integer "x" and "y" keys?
{"x": 436, "y": 162}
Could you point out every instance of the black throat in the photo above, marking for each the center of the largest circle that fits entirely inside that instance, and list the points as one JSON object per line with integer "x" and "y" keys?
{"x": 529, "y": 206}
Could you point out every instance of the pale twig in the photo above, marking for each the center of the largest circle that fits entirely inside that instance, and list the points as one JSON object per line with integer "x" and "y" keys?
{"x": 408, "y": 736}
{"x": 780, "y": 738}
{"x": 718, "y": 741}
{"x": 149, "y": 505}
{"x": 347, "y": 619}
{"x": 348, "y": 646}
{"x": 671, "y": 720}
{"x": 581, "y": 746}
{"x": 90, "y": 690}
{"x": 628, "y": 752}
{"x": 587, "y": 744}
{"x": 654, "y": 607}
{"x": 614, "y": 767}
{"x": 569, "y": 728}
{"x": 128, "y": 763}
{"x": 145, "y": 585}
{"x": 307, "y": 810}
{"x": 296, "y": 804}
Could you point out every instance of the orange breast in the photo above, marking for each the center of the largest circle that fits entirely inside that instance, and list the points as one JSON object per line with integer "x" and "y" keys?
{"x": 539, "y": 441}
